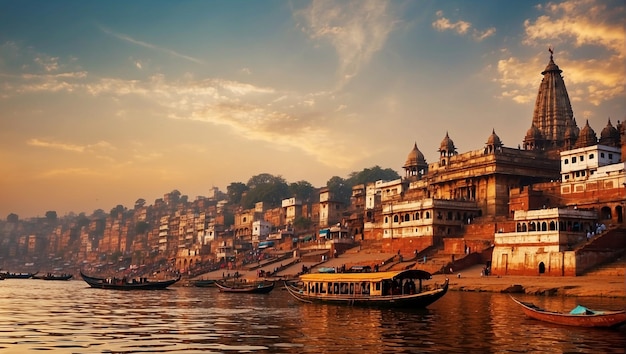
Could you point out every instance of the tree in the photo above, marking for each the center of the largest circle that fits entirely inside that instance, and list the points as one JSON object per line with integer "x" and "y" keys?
{"x": 267, "y": 189}
{"x": 303, "y": 191}
{"x": 340, "y": 189}
{"x": 235, "y": 191}
{"x": 51, "y": 215}
{"x": 13, "y": 218}
{"x": 139, "y": 203}
{"x": 142, "y": 227}
{"x": 372, "y": 174}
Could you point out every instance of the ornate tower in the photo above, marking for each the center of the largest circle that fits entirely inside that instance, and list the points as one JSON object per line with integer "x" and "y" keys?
{"x": 415, "y": 165}
{"x": 552, "y": 117}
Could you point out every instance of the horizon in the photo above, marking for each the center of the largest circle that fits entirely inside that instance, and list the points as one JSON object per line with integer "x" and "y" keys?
{"x": 104, "y": 104}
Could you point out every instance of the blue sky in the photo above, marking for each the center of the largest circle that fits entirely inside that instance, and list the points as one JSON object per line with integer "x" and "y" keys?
{"x": 104, "y": 103}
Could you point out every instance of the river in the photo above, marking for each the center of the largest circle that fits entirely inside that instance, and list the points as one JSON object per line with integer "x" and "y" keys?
{"x": 70, "y": 317}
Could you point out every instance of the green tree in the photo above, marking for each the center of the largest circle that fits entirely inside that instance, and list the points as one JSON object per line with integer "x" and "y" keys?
{"x": 340, "y": 189}
{"x": 235, "y": 191}
{"x": 265, "y": 188}
{"x": 303, "y": 191}
{"x": 13, "y": 218}
{"x": 51, "y": 215}
{"x": 372, "y": 174}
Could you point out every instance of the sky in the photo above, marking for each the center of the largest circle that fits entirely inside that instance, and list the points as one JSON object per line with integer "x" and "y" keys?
{"x": 106, "y": 102}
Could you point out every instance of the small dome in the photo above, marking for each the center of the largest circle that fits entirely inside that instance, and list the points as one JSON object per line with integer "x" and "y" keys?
{"x": 533, "y": 133}
{"x": 609, "y": 131}
{"x": 447, "y": 144}
{"x": 571, "y": 130}
{"x": 587, "y": 137}
{"x": 415, "y": 158}
{"x": 494, "y": 139}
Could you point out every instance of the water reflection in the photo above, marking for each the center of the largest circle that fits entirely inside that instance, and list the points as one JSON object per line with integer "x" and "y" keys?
{"x": 69, "y": 317}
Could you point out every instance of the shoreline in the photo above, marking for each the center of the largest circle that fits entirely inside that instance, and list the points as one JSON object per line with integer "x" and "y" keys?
{"x": 613, "y": 286}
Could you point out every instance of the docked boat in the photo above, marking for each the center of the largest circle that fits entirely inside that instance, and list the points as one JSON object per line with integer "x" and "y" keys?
{"x": 52, "y": 276}
{"x": 128, "y": 284}
{"x": 403, "y": 288}
{"x": 203, "y": 283}
{"x": 10, "y": 275}
{"x": 260, "y": 287}
{"x": 580, "y": 316}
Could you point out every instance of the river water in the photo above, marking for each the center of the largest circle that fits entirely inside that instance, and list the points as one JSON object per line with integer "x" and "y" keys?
{"x": 70, "y": 317}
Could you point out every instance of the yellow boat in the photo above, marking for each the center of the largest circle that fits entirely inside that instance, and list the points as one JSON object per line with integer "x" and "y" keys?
{"x": 391, "y": 289}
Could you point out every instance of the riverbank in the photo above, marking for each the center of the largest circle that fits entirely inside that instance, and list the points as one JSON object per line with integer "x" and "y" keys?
{"x": 471, "y": 280}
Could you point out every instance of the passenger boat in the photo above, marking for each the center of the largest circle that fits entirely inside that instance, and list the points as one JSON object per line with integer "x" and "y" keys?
{"x": 127, "y": 284}
{"x": 579, "y": 316}
{"x": 387, "y": 289}
{"x": 260, "y": 287}
{"x": 51, "y": 276}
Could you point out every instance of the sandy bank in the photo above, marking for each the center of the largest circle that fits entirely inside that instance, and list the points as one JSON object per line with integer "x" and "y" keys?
{"x": 471, "y": 280}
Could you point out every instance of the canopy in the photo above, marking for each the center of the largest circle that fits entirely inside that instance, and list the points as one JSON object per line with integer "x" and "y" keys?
{"x": 360, "y": 277}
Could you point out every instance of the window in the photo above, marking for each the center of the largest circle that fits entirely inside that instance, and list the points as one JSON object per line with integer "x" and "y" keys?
{"x": 601, "y": 155}
{"x": 573, "y": 159}
{"x": 566, "y": 161}
{"x": 591, "y": 156}
{"x": 565, "y": 176}
{"x": 582, "y": 158}
{"x": 610, "y": 156}
{"x": 583, "y": 173}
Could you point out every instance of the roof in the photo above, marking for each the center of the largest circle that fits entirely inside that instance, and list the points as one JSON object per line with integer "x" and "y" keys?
{"x": 374, "y": 277}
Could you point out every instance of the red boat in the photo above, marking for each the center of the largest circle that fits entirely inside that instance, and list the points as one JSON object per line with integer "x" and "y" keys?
{"x": 579, "y": 316}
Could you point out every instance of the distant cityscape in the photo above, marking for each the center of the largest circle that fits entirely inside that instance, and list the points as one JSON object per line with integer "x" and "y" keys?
{"x": 552, "y": 205}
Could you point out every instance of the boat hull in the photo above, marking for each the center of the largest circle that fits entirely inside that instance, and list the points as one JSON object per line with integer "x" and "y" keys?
{"x": 252, "y": 289}
{"x": 599, "y": 319}
{"x": 106, "y": 283}
{"x": 419, "y": 300}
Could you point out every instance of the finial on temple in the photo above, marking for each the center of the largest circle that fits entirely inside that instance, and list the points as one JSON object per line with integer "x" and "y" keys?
{"x": 551, "y": 51}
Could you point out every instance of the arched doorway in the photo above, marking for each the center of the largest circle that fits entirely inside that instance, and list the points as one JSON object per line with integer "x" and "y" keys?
{"x": 542, "y": 268}
{"x": 605, "y": 213}
{"x": 619, "y": 211}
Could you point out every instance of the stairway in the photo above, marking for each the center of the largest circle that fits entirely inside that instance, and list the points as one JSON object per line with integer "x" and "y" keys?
{"x": 615, "y": 268}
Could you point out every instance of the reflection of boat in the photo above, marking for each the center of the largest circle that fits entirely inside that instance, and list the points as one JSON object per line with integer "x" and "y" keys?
{"x": 9, "y": 275}
{"x": 128, "y": 284}
{"x": 261, "y": 287}
{"x": 203, "y": 283}
{"x": 579, "y": 316}
{"x": 51, "y": 276}
{"x": 392, "y": 289}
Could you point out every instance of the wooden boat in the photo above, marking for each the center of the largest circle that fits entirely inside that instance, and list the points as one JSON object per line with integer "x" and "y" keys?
{"x": 387, "y": 289}
{"x": 9, "y": 275}
{"x": 203, "y": 283}
{"x": 579, "y": 316}
{"x": 127, "y": 284}
{"x": 260, "y": 287}
{"x": 51, "y": 276}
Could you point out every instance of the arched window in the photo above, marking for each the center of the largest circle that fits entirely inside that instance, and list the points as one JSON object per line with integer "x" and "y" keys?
{"x": 532, "y": 226}
{"x": 519, "y": 227}
{"x": 524, "y": 227}
{"x": 407, "y": 217}
{"x": 395, "y": 218}
{"x": 386, "y": 219}
{"x": 552, "y": 226}
{"x": 417, "y": 216}
{"x": 428, "y": 215}
{"x": 544, "y": 226}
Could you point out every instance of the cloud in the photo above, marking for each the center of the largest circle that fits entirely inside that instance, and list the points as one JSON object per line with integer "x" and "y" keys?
{"x": 101, "y": 145}
{"x": 149, "y": 46}
{"x": 461, "y": 28}
{"x": 590, "y": 75}
{"x": 356, "y": 30}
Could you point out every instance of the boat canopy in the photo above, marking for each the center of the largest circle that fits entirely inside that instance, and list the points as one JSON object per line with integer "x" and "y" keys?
{"x": 360, "y": 277}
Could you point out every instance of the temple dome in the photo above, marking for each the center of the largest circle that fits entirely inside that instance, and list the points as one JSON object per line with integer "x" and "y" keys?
{"x": 447, "y": 145}
{"x": 609, "y": 135}
{"x": 533, "y": 133}
{"x": 415, "y": 158}
{"x": 494, "y": 139}
{"x": 587, "y": 137}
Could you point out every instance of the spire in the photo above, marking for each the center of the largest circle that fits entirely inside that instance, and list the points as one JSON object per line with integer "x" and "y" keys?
{"x": 553, "y": 114}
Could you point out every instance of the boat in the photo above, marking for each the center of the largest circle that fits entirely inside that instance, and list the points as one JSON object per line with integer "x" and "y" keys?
{"x": 52, "y": 276}
{"x": 203, "y": 283}
{"x": 385, "y": 289}
{"x": 128, "y": 284}
{"x": 580, "y": 316}
{"x": 10, "y": 275}
{"x": 258, "y": 287}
